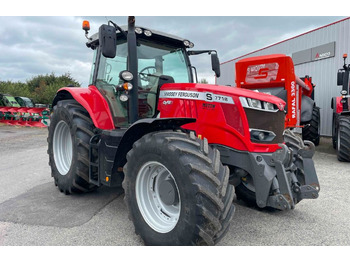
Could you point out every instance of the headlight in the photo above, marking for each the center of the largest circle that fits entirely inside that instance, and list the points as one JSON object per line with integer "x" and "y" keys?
{"x": 138, "y": 30}
{"x": 268, "y": 106}
{"x": 258, "y": 104}
{"x": 123, "y": 98}
{"x": 126, "y": 75}
{"x": 261, "y": 135}
{"x": 254, "y": 103}
{"x": 188, "y": 43}
{"x": 147, "y": 33}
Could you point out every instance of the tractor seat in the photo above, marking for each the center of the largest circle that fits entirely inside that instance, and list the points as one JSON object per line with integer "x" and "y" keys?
{"x": 164, "y": 79}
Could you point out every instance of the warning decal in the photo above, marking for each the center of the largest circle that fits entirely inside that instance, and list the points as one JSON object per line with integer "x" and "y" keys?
{"x": 204, "y": 96}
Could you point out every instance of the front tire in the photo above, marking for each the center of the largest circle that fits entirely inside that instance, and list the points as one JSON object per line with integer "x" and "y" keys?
{"x": 70, "y": 131}
{"x": 177, "y": 190}
{"x": 343, "y": 139}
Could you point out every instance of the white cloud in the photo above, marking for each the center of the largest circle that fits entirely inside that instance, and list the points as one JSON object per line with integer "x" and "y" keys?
{"x": 42, "y": 45}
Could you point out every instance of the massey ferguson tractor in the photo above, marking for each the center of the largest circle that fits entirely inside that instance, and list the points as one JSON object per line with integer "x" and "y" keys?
{"x": 177, "y": 148}
{"x": 274, "y": 74}
{"x": 341, "y": 115}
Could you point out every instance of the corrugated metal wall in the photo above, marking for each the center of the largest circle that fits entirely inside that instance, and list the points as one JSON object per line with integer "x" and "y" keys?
{"x": 323, "y": 72}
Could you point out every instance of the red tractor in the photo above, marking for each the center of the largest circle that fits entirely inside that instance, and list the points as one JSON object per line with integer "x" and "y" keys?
{"x": 144, "y": 124}
{"x": 274, "y": 74}
{"x": 341, "y": 115}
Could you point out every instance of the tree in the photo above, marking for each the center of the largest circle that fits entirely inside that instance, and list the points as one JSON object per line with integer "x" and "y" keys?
{"x": 41, "y": 88}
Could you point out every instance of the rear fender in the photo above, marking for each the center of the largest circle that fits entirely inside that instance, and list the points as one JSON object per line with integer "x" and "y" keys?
{"x": 92, "y": 100}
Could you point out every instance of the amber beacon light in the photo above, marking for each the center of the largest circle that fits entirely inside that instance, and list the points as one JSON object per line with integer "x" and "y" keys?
{"x": 86, "y": 25}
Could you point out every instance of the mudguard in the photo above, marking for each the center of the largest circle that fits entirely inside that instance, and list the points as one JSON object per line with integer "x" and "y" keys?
{"x": 113, "y": 145}
{"x": 336, "y": 105}
{"x": 92, "y": 100}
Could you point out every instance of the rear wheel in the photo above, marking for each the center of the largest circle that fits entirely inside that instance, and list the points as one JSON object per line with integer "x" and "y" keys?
{"x": 177, "y": 190}
{"x": 70, "y": 131}
{"x": 343, "y": 138}
{"x": 311, "y": 131}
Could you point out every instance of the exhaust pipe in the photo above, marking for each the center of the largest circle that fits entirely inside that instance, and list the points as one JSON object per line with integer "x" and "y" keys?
{"x": 132, "y": 67}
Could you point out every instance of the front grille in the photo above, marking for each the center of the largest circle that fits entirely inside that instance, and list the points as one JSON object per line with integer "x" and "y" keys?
{"x": 269, "y": 121}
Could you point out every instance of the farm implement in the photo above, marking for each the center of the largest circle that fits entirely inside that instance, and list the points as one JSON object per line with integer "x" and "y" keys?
{"x": 25, "y": 116}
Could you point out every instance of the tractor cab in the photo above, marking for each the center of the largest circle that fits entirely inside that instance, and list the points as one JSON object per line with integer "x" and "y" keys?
{"x": 125, "y": 67}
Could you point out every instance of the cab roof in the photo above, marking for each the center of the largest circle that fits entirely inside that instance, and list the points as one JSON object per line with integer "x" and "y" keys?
{"x": 156, "y": 36}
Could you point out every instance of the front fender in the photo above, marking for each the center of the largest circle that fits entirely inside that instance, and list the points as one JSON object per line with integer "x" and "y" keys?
{"x": 92, "y": 100}
{"x": 138, "y": 130}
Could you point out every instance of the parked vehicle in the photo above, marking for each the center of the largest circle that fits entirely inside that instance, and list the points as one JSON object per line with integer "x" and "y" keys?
{"x": 341, "y": 115}
{"x": 274, "y": 74}
{"x": 175, "y": 146}
{"x": 24, "y": 101}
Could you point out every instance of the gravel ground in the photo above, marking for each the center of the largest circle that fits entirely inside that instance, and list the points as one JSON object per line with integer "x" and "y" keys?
{"x": 34, "y": 213}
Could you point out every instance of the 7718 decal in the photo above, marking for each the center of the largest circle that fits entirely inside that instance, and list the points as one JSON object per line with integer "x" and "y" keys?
{"x": 204, "y": 96}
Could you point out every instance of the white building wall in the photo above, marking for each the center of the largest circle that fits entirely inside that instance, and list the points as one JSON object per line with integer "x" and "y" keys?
{"x": 323, "y": 72}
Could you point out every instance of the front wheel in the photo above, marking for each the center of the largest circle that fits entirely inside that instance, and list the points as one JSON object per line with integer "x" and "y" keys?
{"x": 177, "y": 190}
{"x": 343, "y": 139}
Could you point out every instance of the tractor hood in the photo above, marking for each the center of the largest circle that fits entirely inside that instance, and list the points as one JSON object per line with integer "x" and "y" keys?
{"x": 216, "y": 93}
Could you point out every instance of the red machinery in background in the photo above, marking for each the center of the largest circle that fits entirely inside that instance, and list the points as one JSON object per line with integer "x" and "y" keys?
{"x": 274, "y": 74}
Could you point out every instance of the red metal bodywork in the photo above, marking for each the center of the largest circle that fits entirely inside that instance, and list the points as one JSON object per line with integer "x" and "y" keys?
{"x": 275, "y": 71}
{"x": 219, "y": 119}
{"x": 93, "y": 101}
{"x": 339, "y": 105}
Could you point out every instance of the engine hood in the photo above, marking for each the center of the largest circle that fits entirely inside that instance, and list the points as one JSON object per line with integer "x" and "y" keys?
{"x": 226, "y": 91}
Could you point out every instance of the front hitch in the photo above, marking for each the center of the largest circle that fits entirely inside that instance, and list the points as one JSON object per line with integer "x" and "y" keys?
{"x": 289, "y": 166}
{"x": 303, "y": 166}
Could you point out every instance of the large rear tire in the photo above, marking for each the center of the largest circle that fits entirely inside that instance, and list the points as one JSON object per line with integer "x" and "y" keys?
{"x": 343, "y": 139}
{"x": 311, "y": 131}
{"x": 177, "y": 190}
{"x": 70, "y": 131}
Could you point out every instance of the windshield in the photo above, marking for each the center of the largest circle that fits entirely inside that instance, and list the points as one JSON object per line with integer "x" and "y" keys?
{"x": 28, "y": 102}
{"x": 154, "y": 61}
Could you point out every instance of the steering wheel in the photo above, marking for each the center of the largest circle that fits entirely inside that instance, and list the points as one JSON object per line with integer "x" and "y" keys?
{"x": 144, "y": 75}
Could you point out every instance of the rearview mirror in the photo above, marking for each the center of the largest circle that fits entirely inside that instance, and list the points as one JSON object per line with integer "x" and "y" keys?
{"x": 340, "y": 76}
{"x": 108, "y": 40}
{"x": 215, "y": 64}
